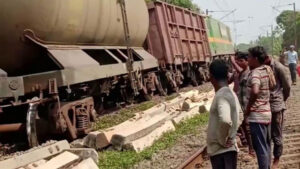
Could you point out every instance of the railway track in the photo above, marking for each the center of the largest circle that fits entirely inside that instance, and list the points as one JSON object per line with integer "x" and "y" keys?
{"x": 13, "y": 143}
{"x": 196, "y": 160}
{"x": 291, "y": 142}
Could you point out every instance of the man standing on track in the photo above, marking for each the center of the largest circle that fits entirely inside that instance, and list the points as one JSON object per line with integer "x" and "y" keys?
{"x": 292, "y": 61}
{"x": 240, "y": 64}
{"x": 258, "y": 112}
{"x": 223, "y": 120}
{"x": 278, "y": 97}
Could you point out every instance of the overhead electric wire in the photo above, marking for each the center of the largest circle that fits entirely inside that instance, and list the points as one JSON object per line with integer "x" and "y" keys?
{"x": 279, "y": 1}
{"x": 226, "y": 3}
{"x": 218, "y": 5}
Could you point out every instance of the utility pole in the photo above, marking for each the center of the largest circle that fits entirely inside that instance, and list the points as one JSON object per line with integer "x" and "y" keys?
{"x": 272, "y": 40}
{"x": 234, "y": 22}
{"x": 272, "y": 36}
{"x": 295, "y": 26}
{"x": 228, "y": 14}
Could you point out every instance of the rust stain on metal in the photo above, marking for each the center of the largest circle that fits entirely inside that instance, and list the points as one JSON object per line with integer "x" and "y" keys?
{"x": 12, "y": 127}
{"x": 195, "y": 161}
{"x": 176, "y": 35}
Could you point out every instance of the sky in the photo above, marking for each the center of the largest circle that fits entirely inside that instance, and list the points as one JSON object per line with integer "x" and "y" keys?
{"x": 256, "y": 15}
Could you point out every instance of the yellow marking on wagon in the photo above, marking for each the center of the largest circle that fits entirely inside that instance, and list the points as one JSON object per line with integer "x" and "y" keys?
{"x": 217, "y": 40}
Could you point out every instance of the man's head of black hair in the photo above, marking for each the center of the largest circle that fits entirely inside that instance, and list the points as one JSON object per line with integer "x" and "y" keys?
{"x": 242, "y": 55}
{"x": 258, "y": 53}
{"x": 218, "y": 69}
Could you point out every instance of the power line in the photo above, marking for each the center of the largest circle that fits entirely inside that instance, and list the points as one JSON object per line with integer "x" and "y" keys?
{"x": 218, "y": 5}
{"x": 226, "y": 3}
{"x": 231, "y": 12}
{"x": 279, "y": 1}
{"x": 236, "y": 21}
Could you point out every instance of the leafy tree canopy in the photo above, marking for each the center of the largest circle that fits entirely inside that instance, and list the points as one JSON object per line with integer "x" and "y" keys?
{"x": 266, "y": 42}
{"x": 244, "y": 47}
{"x": 286, "y": 22}
{"x": 182, "y": 3}
{"x": 283, "y": 35}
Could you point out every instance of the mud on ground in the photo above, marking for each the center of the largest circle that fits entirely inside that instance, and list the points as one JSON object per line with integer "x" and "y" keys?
{"x": 189, "y": 144}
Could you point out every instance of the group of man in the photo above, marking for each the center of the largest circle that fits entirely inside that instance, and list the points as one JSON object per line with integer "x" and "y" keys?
{"x": 258, "y": 102}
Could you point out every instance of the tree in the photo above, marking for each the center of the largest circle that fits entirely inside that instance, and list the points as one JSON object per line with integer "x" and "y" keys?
{"x": 266, "y": 42}
{"x": 283, "y": 35}
{"x": 182, "y": 3}
{"x": 286, "y": 22}
{"x": 244, "y": 47}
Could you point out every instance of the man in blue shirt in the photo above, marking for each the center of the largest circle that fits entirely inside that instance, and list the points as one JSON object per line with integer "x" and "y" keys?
{"x": 292, "y": 61}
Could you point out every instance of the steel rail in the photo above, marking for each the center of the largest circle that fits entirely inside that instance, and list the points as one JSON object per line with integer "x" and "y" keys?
{"x": 195, "y": 161}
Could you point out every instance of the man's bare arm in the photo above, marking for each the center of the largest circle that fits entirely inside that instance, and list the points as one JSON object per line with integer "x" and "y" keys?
{"x": 285, "y": 83}
{"x": 235, "y": 65}
{"x": 253, "y": 96}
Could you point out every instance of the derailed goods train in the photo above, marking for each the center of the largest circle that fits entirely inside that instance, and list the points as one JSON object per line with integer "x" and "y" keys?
{"x": 219, "y": 38}
{"x": 63, "y": 62}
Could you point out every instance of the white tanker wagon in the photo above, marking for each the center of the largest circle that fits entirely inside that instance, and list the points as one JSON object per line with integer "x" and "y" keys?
{"x": 60, "y": 60}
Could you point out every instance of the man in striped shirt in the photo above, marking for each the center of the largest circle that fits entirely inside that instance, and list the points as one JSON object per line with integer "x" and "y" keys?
{"x": 258, "y": 110}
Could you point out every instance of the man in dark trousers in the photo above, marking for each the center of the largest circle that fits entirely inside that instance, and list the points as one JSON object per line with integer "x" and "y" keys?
{"x": 292, "y": 61}
{"x": 240, "y": 64}
{"x": 223, "y": 120}
{"x": 258, "y": 112}
{"x": 278, "y": 97}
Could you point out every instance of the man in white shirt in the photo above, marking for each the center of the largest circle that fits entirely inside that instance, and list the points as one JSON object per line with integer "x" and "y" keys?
{"x": 292, "y": 61}
{"x": 223, "y": 120}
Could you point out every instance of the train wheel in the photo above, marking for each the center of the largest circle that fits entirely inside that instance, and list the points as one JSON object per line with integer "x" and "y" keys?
{"x": 163, "y": 83}
{"x": 99, "y": 105}
{"x": 193, "y": 78}
{"x": 130, "y": 98}
{"x": 147, "y": 96}
{"x": 31, "y": 128}
{"x": 93, "y": 115}
{"x": 162, "y": 91}
{"x": 128, "y": 95}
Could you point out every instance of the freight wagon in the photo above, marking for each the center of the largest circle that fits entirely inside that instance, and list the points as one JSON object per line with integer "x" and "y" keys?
{"x": 219, "y": 37}
{"x": 177, "y": 37}
{"x": 64, "y": 62}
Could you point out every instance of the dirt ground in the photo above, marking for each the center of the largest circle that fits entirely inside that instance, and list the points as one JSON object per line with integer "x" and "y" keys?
{"x": 291, "y": 131}
{"x": 187, "y": 145}
{"x": 172, "y": 157}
